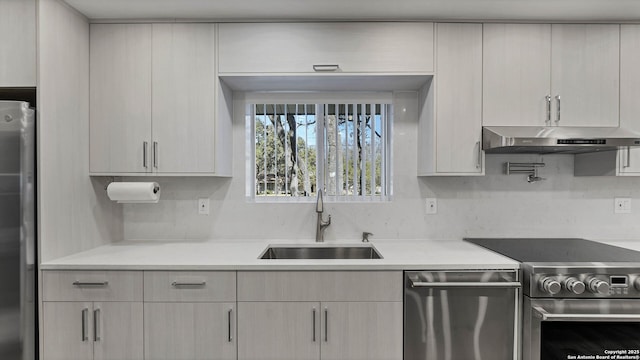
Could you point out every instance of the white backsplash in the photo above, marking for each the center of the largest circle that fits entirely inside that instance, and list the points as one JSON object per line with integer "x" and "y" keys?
{"x": 490, "y": 205}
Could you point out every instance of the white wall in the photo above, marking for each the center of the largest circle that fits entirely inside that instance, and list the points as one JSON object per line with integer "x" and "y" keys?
{"x": 73, "y": 213}
{"x": 493, "y": 205}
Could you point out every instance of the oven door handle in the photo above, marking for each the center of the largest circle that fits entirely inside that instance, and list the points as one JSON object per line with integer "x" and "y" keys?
{"x": 547, "y": 316}
{"x": 470, "y": 284}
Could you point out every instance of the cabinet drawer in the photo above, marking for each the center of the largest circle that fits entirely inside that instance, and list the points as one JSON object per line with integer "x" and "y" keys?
{"x": 92, "y": 286}
{"x": 192, "y": 286}
{"x": 320, "y": 286}
{"x": 353, "y": 47}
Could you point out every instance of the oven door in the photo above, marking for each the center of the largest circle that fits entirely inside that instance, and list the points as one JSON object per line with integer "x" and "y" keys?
{"x": 581, "y": 329}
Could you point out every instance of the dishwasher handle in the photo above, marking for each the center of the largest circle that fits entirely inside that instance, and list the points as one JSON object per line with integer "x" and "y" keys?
{"x": 461, "y": 284}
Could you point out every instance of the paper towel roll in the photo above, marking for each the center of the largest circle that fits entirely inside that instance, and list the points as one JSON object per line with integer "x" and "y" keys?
{"x": 134, "y": 192}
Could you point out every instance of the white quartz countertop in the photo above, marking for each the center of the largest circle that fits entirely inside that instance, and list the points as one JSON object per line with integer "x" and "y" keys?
{"x": 243, "y": 255}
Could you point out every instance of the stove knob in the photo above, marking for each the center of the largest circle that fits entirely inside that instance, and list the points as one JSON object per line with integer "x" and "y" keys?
{"x": 598, "y": 286}
{"x": 550, "y": 286}
{"x": 637, "y": 283}
{"x": 574, "y": 285}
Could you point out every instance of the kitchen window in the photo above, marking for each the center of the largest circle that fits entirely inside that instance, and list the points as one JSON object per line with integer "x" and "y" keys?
{"x": 298, "y": 147}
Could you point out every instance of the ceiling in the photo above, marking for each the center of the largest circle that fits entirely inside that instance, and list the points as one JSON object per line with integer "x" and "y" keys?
{"x": 300, "y": 10}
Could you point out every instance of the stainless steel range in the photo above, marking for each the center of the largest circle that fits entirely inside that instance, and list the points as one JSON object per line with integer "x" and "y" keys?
{"x": 581, "y": 298}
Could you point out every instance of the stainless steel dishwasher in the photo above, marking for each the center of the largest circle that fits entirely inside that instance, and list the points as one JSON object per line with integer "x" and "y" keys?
{"x": 461, "y": 315}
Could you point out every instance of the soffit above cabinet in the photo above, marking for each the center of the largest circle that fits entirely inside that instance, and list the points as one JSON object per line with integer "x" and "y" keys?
{"x": 270, "y": 10}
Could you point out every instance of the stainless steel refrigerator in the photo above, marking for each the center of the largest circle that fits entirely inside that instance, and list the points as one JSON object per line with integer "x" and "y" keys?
{"x": 17, "y": 231}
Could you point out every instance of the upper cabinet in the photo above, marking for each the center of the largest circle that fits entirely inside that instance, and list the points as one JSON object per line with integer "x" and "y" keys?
{"x": 349, "y": 47}
{"x": 629, "y": 159}
{"x": 516, "y": 68}
{"x": 450, "y": 135}
{"x": 120, "y": 98}
{"x": 585, "y": 74}
{"x": 18, "y": 39}
{"x": 157, "y": 106}
{"x": 551, "y": 75}
{"x": 626, "y": 161}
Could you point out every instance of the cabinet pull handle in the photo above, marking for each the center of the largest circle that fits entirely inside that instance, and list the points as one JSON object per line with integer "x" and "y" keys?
{"x": 144, "y": 153}
{"x": 558, "y": 109}
{"x": 313, "y": 319}
{"x": 321, "y": 68}
{"x": 82, "y": 283}
{"x": 155, "y": 154}
{"x": 187, "y": 284}
{"x": 230, "y": 337}
{"x": 628, "y": 160}
{"x": 326, "y": 325}
{"x": 548, "y": 99}
{"x": 479, "y": 160}
{"x": 96, "y": 325}
{"x": 85, "y": 314}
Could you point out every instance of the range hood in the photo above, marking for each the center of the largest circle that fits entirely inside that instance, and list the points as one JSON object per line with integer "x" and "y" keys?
{"x": 555, "y": 139}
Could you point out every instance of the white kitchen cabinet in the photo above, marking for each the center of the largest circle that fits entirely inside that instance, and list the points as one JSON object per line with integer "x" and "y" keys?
{"x": 320, "y": 330}
{"x": 190, "y": 315}
{"x": 516, "y": 67}
{"x": 188, "y": 331}
{"x": 278, "y": 330}
{"x": 157, "y": 106}
{"x": 629, "y": 159}
{"x": 585, "y": 74}
{"x": 576, "y": 65}
{"x": 18, "y": 39}
{"x": 376, "y": 47}
{"x": 450, "y": 139}
{"x": 92, "y": 315}
{"x": 92, "y": 330}
{"x": 361, "y": 330}
{"x": 120, "y": 98}
{"x": 320, "y": 315}
{"x": 624, "y": 162}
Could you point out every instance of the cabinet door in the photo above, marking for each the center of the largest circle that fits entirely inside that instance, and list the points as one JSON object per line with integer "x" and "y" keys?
{"x": 629, "y": 90}
{"x": 516, "y": 74}
{"x": 361, "y": 330}
{"x": 183, "y": 98}
{"x": 354, "y": 47}
{"x": 458, "y": 98}
{"x": 68, "y": 334}
{"x": 120, "y": 98}
{"x": 18, "y": 39}
{"x": 278, "y": 331}
{"x": 585, "y": 73}
{"x": 189, "y": 331}
{"x": 118, "y": 330}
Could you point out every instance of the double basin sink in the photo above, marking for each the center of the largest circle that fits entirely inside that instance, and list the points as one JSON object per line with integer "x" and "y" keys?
{"x": 281, "y": 252}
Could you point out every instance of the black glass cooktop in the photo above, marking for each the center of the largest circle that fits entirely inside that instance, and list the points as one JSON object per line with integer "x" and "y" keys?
{"x": 531, "y": 250}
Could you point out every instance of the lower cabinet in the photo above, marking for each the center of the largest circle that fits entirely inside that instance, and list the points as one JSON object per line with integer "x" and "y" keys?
{"x": 319, "y": 330}
{"x": 312, "y": 315}
{"x": 361, "y": 330}
{"x": 222, "y": 315}
{"x": 189, "y": 315}
{"x": 92, "y": 330}
{"x": 189, "y": 331}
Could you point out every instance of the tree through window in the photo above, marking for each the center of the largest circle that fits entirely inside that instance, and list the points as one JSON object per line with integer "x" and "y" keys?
{"x": 342, "y": 148}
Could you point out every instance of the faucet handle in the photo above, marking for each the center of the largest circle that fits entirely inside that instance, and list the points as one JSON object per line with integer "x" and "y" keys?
{"x": 365, "y": 236}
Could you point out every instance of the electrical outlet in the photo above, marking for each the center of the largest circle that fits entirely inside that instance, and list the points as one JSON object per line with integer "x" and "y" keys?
{"x": 203, "y": 206}
{"x": 622, "y": 206}
{"x": 432, "y": 206}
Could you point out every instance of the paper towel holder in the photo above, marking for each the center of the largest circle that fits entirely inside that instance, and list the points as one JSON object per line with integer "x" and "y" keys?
{"x": 112, "y": 179}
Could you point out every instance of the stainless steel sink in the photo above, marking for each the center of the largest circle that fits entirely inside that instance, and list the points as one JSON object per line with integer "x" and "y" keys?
{"x": 321, "y": 252}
